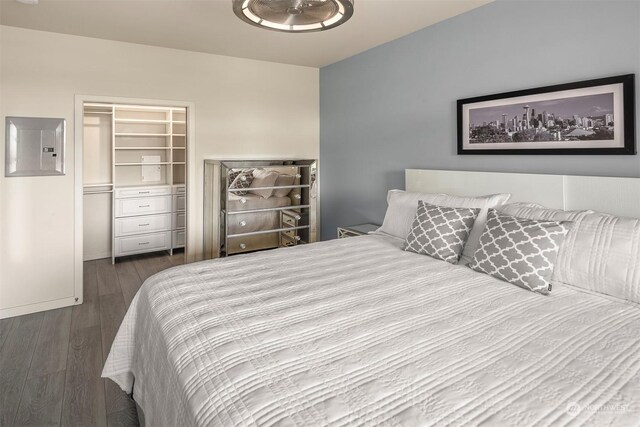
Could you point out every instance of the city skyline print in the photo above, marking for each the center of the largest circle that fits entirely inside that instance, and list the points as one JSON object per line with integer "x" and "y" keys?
{"x": 589, "y": 117}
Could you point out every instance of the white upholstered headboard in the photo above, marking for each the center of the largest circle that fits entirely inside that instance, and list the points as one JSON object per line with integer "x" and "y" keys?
{"x": 618, "y": 196}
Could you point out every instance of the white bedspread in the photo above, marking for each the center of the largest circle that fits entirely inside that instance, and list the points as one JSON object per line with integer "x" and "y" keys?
{"x": 357, "y": 332}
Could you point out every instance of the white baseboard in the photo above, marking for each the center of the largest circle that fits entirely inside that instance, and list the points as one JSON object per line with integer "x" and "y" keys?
{"x": 41, "y": 306}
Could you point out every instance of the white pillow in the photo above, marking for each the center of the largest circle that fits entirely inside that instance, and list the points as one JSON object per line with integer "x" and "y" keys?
{"x": 263, "y": 178}
{"x": 540, "y": 213}
{"x": 402, "y": 207}
{"x": 601, "y": 253}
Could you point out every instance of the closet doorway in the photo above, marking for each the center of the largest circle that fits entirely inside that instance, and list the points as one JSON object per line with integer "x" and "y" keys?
{"x": 134, "y": 177}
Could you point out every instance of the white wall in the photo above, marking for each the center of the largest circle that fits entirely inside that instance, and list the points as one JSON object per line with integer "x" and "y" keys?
{"x": 243, "y": 108}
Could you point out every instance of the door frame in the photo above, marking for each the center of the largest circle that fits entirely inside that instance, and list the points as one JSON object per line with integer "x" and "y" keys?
{"x": 192, "y": 217}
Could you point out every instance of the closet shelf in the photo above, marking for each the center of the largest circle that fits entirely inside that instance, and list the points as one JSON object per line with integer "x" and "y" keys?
{"x": 178, "y": 134}
{"x": 142, "y": 148}
{"x": 179, "y": 148}
{"x": 179, "y": 163}
{"x": 143, "y": 164}
{"x": 179, "y": 122}
{"x": 143, "y": 121}
{"x": 142, "y": 134}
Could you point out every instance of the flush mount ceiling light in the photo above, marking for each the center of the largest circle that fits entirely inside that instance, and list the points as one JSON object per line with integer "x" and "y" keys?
{"x": 294, "y": 16}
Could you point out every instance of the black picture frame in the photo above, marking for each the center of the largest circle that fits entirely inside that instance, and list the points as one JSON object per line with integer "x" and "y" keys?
{"x": 625, "y": 143}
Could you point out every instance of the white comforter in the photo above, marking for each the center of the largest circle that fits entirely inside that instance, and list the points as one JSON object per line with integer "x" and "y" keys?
{"x": 358, "y": 332}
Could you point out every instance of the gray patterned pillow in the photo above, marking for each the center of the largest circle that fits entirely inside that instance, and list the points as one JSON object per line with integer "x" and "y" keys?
{"x": 520, "y": 251}
{"x": 439, "y": 231}
{"x": 242, "y": 180}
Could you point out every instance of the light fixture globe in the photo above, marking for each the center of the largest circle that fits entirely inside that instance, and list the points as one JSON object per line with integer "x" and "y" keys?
{"x": 294, "y": 16}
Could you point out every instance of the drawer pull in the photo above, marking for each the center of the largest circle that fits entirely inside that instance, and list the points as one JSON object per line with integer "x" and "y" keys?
{"x": 298, "y": 176}
{"x": 243, "y": 246}
{"x": 143, "y": 192}
{"x": 144, "y": 243}
{"x": 143, "y": 225}
{"x": 243, "y": 223}
{"x": 243, "y": 200}
{"x": 144, "y": 206}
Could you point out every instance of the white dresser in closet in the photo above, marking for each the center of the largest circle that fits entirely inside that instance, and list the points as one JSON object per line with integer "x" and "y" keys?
{"x": 142, "y": 220}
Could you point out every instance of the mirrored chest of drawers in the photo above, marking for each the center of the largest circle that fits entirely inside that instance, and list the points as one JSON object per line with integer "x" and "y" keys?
{"x": 259, "y": 213}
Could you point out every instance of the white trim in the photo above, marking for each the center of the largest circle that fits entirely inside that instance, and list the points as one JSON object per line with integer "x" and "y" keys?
{"x": 613, "y": 195}
{"x": 41, "y": 306}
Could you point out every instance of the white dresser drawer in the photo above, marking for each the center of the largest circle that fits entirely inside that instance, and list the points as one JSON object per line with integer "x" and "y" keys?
{"x": 142, "y": 191}
{"x": 179, "y": 220}
{"x": 142, "y": 243}
{"x": 178, "y": 239}
{"x": 179, "y": 202}
{"x": 142, "y": 224}
{"x": 143, "y": 206}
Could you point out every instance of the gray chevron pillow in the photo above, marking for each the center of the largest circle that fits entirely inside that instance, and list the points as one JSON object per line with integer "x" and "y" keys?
{"x": 242, "y": 180}
{"x": 439, "y": 231}
{"x": 520, "y": 251}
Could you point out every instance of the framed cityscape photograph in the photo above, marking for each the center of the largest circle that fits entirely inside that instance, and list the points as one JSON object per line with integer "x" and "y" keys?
{"x": 588, "y": 117}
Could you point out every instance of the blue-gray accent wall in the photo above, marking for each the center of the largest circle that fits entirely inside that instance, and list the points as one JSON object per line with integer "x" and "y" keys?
{"x": 394, "y": 107}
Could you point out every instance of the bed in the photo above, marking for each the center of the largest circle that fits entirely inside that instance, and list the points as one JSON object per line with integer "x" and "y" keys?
{"x": 359, "y": 332}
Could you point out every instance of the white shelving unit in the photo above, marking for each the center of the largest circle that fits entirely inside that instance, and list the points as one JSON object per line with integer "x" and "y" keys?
{"x": 148, "y": 177}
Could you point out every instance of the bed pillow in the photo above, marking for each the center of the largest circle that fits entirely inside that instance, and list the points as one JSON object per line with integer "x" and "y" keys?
{"x": 539, "y": 212}
{"x": 242, "y": 180}
{"x": 440, "y": 231}
{"x": 602, "y": 254}
{"x": 283, "y": 179}
{"x": 263, "y": 178}
{"x": 520, "y": 251}
{"x": 402, "y": 208}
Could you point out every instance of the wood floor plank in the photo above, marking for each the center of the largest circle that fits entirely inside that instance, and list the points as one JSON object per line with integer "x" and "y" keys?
{"x": 107, "y": 277}
{"x": 124, "y": 418}
{"x": 5, "y": 328}
{"x": 84, "y": 361}
{"x": 152, "y": 264}
{"x": 112, "y": 311}
{"x": 85, "y": 315}
{"x": 84, "y": 401}
{"x": 120, "y": 407}
{"x": 129, "y": 280}
{"x": 177, "y": 258}
{"x": 84, "y": 404}
{"x": 51, "y": 350}
{"x": 41, "y": 402}
{"x": 15, "y": 359}
{"x": 90, "y": 280}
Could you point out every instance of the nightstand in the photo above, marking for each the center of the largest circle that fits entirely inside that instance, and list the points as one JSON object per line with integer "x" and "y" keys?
{"x": 356, "y": 230}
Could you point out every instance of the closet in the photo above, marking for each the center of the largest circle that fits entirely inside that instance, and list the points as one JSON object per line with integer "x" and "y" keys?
{"x": 134, "y": 179}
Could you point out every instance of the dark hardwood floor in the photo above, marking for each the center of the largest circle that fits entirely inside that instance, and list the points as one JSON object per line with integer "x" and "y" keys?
{"x": 50, "y": 362}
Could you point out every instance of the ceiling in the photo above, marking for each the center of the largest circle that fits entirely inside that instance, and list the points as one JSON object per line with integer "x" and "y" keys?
{"x": 210, "y": 26}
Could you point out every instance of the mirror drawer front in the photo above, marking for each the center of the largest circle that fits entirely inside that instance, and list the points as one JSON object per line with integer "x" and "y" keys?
{"x": 142, "y": 243}
{"x": 142, "y": 224}
{"x": 236, "y": 245}
{"x": 143, "y": 206}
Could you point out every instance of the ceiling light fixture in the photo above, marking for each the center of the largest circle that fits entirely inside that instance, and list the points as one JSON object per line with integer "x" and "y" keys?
{"x": 294, "y": 16}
